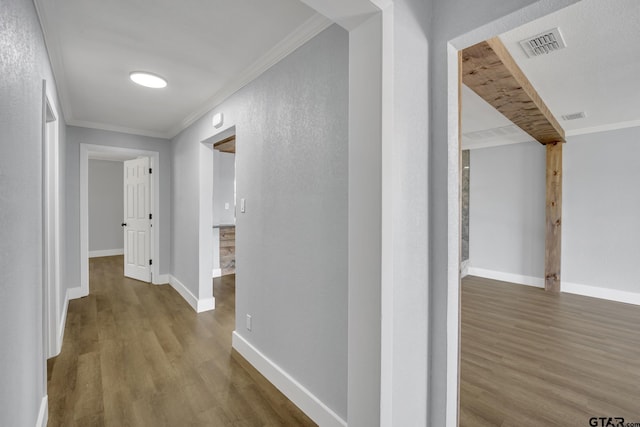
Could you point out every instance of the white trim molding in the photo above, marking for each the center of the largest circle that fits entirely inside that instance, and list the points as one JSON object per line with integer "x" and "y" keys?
{"x": 161, "y": 279}
{"x": 565, "y": 287}
{"x": 106, "y": 252}
{"x": 518, "y": 279}
{"x": 199, "y": 305}
{"x": 305, "y": 32}
{"x": 75, "y": 293}
{"x": 43, "y": 412}
{"x": 217, "y": 272}
{"x": 62, "y": 323}
{"x": 602, "y": 293}
{"x": 296, "y": 392}
{"x": 603, "y": 128}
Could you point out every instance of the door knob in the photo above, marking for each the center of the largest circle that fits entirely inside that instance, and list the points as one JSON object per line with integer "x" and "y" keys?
{"x": 124, "y": 224}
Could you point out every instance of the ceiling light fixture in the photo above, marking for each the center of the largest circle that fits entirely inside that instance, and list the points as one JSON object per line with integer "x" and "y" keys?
{"x": 146, "y": 79}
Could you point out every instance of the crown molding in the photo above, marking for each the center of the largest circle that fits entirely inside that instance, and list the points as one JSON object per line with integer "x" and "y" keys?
{"x": 305, "y": 32}
{"x": 603, "y": 128}
{"x": 45, "y": 9}
{"x": 114, "y": 128}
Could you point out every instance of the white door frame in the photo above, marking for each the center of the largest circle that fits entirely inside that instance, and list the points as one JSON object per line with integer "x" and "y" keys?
{"x": 116, "y": 153}
{"x": 205, "y": 297}
{"x": 52, "y": 323}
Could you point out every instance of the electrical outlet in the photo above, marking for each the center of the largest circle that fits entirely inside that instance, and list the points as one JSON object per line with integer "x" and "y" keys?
{"x": 248, "y": 322}
{"x": 226, "y": 206}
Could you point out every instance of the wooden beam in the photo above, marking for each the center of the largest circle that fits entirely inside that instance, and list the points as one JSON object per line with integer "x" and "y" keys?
{"x": 553, "y": 238}
{"x": 227, "y": 145}
{"x": 489, "y": 70}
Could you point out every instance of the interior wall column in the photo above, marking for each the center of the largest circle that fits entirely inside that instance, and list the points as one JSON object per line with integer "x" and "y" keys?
{"x": 553, "y": 238}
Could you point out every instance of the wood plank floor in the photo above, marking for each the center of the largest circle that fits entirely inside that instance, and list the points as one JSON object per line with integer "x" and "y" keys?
{"x": 136, "y": 354}
{"x": 529, "y": 358}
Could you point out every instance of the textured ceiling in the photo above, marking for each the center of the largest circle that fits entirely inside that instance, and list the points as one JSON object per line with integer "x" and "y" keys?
{"x": 206, "y": 49}
{"x": 596, "y": 73}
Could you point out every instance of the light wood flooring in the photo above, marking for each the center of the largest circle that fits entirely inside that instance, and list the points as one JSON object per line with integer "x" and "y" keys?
{"x": 136, "y": 354}
{"x": 529, "y": 358}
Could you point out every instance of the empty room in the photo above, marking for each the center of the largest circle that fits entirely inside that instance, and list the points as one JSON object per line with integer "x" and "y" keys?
{"x": 550, "y": 301}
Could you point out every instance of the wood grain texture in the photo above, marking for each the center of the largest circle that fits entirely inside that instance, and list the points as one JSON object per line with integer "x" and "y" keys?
{"x": 531, "y": 358}
{"x": 489, "y": 70}
{"x": 228, "y": 250}
{"x": 227, "y": 145}
{"x": 553, "y": 234}
{"x": 136, "y": 354}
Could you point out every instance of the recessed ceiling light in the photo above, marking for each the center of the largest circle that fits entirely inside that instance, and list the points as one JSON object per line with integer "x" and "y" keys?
{"x": 148, "y": 79}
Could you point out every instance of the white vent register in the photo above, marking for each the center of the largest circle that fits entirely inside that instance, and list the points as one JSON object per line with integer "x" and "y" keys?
{"x": 543, "y": 43}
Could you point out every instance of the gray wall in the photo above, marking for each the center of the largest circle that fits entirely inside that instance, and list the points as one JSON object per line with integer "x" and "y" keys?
{"x": 291, "y": 160}
{"x": 23, "y": 67}
{"x": 600, "y": 205}
{"x": 507, "y": 222}
{"x": 78, "y": 135}
{"x": 224, "y": 187}
{"x": 106, "y": 205}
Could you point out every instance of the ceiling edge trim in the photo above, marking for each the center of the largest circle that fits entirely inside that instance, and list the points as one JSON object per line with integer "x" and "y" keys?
{"x": 305, "y": 32}
{"x": 604, "y": 128}
{"x": 494, "y": 143}
{"x": 113, "y": 128}
{"x": 55, "y": 58}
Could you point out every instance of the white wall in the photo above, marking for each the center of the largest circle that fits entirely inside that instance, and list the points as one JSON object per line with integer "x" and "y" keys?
{"x": 106, "y": 205}
{"x": 407, "y": 248}
{"x": 600, "y": 205}
{"x": 291, "y": 167}
{"x": 507, "y": 214}
{"x": 23, "y": 68}
{"x": 78, "y": 135}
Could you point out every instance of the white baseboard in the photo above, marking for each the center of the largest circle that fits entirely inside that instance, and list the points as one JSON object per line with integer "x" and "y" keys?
{"x": 161, "y": 279}
{"x": 43, "y": 413}
{"x": 602, "y": 293}
{"x": 62, "y": 323}
{"x": 507, "y": 277}
{"x": 199, "y": 305}
{"x": 106, "y": 252}
{"x": 296, "y": 392}
{"x": 75, "y": 293}
{"x": 567, "y": 287}
{"x": 217, "y": 272}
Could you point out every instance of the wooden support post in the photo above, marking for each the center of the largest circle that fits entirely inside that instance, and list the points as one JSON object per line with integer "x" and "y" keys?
{"x": 553, "y": 240}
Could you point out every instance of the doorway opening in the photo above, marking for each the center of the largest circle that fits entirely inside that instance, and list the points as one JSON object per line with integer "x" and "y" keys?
{"x": 118, "y": 154}
{"x": 499, "y": 315}
{"x": 120, "y": 214}
{"x": 224, "y": 207}
{"x": 208, "y": 246}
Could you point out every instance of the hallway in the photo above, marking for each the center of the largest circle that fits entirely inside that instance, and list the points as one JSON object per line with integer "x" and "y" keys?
{"x": 137, "y": 355}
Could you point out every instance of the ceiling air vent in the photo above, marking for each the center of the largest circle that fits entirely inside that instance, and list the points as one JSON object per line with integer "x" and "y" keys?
{"x": 574, "y": 116}
{"x": 543, "y": 43}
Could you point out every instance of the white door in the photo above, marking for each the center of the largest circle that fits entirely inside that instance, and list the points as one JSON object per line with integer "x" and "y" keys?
{"x": 137, "y": 219}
